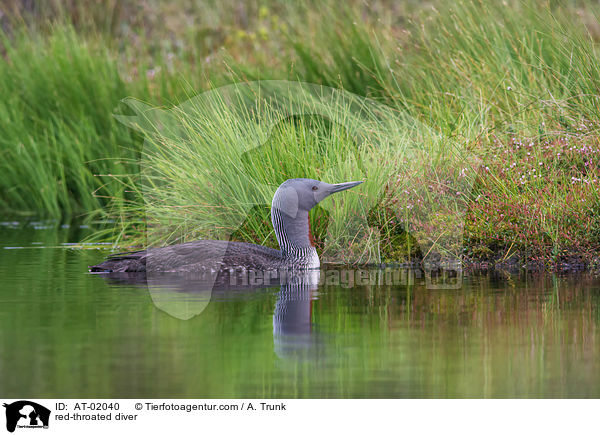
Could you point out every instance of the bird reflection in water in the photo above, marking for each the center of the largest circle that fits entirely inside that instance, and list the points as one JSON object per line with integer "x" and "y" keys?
{"x": 184, "y": 296}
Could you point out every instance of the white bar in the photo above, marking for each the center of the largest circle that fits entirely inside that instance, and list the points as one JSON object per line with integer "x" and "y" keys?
{"x": 158, "y": 416}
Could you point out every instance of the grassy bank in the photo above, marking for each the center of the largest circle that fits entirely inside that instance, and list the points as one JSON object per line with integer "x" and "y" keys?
{"x": 514, "y": 84}
{"x": 61, "y": 146}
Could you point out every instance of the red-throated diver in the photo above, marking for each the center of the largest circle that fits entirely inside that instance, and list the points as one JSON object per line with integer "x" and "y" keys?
{"x": 289, "y": 214}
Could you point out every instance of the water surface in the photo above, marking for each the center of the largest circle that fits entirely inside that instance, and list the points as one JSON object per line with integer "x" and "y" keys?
{"x": 66, "y": 333}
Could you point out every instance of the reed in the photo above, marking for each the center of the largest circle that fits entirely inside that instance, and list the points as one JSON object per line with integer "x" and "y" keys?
{"x": 62, "y": 149}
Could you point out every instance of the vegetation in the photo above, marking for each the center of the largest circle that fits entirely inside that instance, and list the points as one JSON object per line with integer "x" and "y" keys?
{"x": 514, "y": 84}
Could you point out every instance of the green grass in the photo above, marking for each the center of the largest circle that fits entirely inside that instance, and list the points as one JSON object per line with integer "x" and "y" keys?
{"x": 465, "y": 69}
{"x": 64, "y": 153}
{"x": 477, "y": 75}
{"x": 61, "y": 146}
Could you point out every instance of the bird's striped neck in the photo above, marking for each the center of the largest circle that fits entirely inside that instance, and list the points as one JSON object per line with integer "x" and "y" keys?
{"x": 293, "y": 234}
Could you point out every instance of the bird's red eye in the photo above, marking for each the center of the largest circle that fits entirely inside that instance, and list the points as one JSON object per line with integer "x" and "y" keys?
{"x": 315, "y": 188}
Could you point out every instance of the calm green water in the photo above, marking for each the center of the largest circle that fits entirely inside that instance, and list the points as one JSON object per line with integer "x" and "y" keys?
{"x": 66, "y": 333}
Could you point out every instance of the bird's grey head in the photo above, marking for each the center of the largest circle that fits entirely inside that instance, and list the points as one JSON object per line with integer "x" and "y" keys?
{"x": 289, "y": 215}
{"x": 302, "y": 194}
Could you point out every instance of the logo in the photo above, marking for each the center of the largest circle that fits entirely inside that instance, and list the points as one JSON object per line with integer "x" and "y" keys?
{"x": 26, "y": 414}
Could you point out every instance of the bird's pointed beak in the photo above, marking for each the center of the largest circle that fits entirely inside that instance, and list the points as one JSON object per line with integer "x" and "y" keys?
{"x": 344, "y": 186}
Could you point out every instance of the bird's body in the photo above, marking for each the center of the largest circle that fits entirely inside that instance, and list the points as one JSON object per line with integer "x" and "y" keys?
{"x": 198, "y": 256}
{"x": 289, "y": 214}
